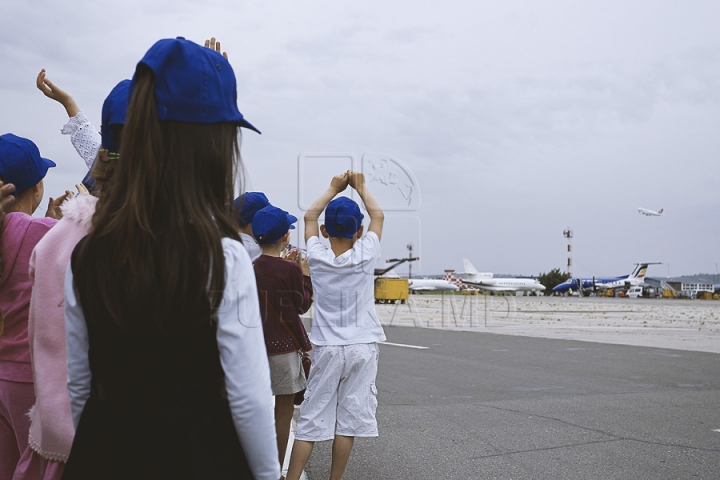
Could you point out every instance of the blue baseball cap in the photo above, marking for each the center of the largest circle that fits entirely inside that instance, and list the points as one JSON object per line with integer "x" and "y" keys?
{"x": 193, "y": 84}
{"x": 249, "y": 203}
{"x": 343, "y": 218}
{"x": 113, "y": 113}
{"x": 270, "y": 224}
{"x": 21, "y": 163}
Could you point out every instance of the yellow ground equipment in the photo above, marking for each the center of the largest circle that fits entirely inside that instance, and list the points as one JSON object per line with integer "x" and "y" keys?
{"x": 391, "y": 290}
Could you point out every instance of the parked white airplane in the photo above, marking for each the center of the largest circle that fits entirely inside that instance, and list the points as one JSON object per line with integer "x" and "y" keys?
{"x": 429, "y": 284}
{"x": 486, "y": 281}
{"x": 650, "y": 213}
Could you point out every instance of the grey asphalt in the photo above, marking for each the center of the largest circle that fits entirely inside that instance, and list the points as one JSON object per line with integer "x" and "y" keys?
{"x": 482, "y": 405}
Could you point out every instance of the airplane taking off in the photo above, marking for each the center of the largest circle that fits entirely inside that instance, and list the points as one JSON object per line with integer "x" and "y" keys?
{"x": 650, "y": 213}
{"x": 486, "y": 281}
{"x": 636, "y": 277}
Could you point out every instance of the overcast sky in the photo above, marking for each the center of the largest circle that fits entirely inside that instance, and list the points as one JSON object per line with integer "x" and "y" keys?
{"x": 510, "y": 121}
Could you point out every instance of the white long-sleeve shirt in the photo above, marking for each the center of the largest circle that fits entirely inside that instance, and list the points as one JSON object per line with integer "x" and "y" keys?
{"x": 84, "y": 137}
{"x": 242, "y": 355}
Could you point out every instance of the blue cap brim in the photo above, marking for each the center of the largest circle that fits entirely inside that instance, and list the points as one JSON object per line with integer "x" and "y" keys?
{"x": 244, "y": 123}
{"x": 49, "y": 163}
{"x": 291, "y": 219}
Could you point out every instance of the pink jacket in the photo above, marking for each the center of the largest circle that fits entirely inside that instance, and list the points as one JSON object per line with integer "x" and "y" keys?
{"x": 52, "y": 431}
{"x": 20, "y": 234}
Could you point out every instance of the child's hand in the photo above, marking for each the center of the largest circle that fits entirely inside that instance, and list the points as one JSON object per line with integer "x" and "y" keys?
{"x": 82, "y": 189}
{"x": 339, "y": 182}
{"x": 295, "y": 255}
{"x": 6, "y": 198}
{"x": 213, "y": 44}
{"x": 53, "y": 210}
{"x": 356, "y": 180}
{"x": 50, "y": 90}
{"x": 302, "y": 261}
{"x": 57, "y": 94}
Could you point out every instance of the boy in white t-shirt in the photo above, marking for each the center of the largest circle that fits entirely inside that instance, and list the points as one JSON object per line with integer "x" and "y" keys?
{"x": 246, "y": 206}
{"x": 341, "y": 397}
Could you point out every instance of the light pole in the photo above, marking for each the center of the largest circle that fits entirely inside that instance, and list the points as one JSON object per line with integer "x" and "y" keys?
{"x": 569, "y": 234}
{"x": 409, "y": 247}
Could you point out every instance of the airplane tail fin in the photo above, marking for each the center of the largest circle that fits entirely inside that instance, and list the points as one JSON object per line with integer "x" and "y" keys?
{"x": 660, "y": 211}
{"x": 469, "y": 268}
{"x": 449, "y": 277}
{"x": 639, "y": 271}
{"x": 472, "y": 274}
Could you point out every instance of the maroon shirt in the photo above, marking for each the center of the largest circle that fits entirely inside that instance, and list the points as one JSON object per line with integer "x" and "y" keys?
{"x": 282, "y": 285}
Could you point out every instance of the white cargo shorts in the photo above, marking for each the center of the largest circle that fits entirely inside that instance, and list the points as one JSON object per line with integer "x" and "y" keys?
{"x": 341, "y": 398}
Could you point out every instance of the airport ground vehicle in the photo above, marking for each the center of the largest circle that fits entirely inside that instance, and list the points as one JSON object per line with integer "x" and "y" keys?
{"x": 635, "y": 292}
{"x": 391, "y": 290}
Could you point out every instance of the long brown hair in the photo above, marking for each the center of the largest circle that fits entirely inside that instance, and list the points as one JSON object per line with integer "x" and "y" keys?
{"x": 155, "y": 252}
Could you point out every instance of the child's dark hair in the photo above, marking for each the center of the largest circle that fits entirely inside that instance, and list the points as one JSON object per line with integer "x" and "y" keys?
{"x": 159, "y": 223}
{"x": 104, "y": 165}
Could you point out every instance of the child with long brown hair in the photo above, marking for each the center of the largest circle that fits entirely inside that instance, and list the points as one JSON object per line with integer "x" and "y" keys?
{"x": 166, "y": 367}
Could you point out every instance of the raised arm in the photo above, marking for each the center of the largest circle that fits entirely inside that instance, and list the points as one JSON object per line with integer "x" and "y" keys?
{"x": 377, "y": 217}
{"x": 84, "y": 137}
{"x": 59, "y": 95}
{"x": 337, "y": 185}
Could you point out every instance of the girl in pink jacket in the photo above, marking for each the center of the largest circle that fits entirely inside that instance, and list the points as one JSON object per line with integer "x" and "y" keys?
{"x": 21, "y": 165}
{"x": 52, "y": 430}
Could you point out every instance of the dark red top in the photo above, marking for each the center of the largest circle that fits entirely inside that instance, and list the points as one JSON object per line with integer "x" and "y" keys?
{"x": 282, "y": 285}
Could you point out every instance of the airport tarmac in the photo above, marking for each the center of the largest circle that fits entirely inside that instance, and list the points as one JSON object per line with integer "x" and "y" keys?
{"x": 664, "y": 323}
{"x": 526, "y": 396}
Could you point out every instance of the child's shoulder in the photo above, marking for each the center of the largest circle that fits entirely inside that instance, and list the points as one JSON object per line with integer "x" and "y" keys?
{"x": 367, "y": 243}
{"x": 369, "y": 237}
{"x": 40, "y": 226}
{"x": 235, "y": 253}
{"x": 275, "y": 263}
{"x": 314, "y": 242}
{"x": 315, "y": 247}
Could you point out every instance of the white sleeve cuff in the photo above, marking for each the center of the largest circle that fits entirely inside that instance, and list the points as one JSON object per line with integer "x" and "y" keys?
{"x": 84, "y": 137}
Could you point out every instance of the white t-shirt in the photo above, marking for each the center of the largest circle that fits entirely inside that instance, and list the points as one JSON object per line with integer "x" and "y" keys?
{"x": 344, "y": 293}
{"x": 251, "y": 246}
{"x": 243, "y": 357}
